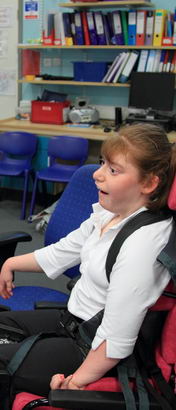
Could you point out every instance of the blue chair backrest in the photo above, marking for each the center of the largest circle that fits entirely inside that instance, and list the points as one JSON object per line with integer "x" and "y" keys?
{"x": 18, "y": 143}
{"x": 68, "y": 148}
{"x": 74, "y": 206}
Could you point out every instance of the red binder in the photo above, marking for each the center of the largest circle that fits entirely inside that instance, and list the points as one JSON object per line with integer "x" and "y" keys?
{"x": 140, "y": 27}
{"x": 85, "y": 28}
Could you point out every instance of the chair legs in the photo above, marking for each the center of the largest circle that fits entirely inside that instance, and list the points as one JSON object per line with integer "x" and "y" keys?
{"x": 32, "y": 206}
{"x": 25, "y": 191}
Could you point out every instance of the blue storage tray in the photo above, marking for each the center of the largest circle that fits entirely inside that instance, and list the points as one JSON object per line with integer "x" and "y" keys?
{"x": 89, "y": 71}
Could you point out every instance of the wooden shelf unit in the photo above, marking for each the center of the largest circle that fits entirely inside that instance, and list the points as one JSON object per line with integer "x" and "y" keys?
{"x": 126, "y": 47}
{"x": 108, "y": 4}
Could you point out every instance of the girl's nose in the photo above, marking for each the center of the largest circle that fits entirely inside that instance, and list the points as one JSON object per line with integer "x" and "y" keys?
{"x": 98, "y": 175}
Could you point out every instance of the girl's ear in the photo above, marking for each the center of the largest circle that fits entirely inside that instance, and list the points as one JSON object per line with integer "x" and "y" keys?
{"x": 150, "y": 184}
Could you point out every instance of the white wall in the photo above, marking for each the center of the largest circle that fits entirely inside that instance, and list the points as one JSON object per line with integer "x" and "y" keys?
{"x": 9, "y": 37}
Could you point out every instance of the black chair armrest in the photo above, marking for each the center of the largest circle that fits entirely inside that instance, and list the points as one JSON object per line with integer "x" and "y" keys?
{"x": 7, "y": 238}
{"x": 8, "y": 243}
{"x": 50, "y": 305}
{"x": 94, "y": 400}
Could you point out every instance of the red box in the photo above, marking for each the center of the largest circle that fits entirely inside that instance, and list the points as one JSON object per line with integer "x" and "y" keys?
{"x": 49, "y": 112}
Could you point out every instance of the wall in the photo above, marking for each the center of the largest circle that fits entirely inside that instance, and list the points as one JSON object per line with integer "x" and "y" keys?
{"x": 112, "y": 96}
{"x": 8, "y": 61}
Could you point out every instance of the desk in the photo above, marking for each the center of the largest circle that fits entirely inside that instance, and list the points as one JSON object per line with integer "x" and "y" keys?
{"x": 94, "y": 133}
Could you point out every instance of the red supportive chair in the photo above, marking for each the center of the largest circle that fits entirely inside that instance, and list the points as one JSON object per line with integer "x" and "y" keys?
{"x": 72, "y": 150}
{"x": 18, "y": 149}
{"x": 106, "y": 393}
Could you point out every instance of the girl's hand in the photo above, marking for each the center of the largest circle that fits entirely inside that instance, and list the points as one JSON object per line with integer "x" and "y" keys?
{"x": 59, "y": 381}
{"x": 6, "y": 281}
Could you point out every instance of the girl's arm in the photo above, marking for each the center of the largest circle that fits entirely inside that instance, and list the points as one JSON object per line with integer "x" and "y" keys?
{"x": 92, "y": 369}
{"x": 20, "y": 263}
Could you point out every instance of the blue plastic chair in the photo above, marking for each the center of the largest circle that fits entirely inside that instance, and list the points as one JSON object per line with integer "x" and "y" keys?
{"x": 73, "y": 207}
{"x": 17, "y": 150}
{"x": 65, "y": 148}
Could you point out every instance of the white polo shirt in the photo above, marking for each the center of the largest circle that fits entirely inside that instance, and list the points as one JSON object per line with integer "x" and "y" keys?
{"x": 136, "y": 281}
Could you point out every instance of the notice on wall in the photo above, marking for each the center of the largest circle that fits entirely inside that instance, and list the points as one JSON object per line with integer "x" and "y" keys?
{"x": 7, "y": 82}
{"x": 31, "y": 10}
{"x": 3, "y": 44}
{"x": 5, "y": 16}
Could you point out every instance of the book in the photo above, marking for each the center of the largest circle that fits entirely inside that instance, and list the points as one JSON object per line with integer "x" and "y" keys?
{"x": 121, "y": 67}
{"x": 163, "y": 52}
{"x": 157, "y": 61}
{"x": 142, "y": 60}
{"x": 112, "y": 69}
{"x": 125, "y": 74}
{"x": 150, "y": 61}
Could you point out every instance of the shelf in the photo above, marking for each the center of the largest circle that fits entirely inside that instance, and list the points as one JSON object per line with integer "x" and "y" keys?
{"x": 108, "y": 4}
{"x": 126, "y": 47}
{"x": 77, "y": 83}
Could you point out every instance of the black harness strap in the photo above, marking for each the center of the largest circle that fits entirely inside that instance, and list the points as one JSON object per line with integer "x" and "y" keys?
{"x": 139, "y": 220}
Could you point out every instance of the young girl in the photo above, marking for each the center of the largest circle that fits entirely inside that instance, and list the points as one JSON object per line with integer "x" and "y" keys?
{"x": 136, "y": 173}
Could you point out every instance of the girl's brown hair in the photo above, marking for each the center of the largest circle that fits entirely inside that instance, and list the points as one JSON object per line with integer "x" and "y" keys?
{"x": 148, "y": 148}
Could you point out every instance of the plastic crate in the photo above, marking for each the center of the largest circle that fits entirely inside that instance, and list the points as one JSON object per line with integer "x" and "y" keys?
{"x": 49, "y": 112}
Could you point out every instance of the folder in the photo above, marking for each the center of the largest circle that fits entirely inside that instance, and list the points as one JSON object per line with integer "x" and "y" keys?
{"x": 99, "y": 28}
{"x": 157, "y": 61}
{"x": 169, "y": 62}
{"x": 121, "y": 67}
{"x": 72, "y": 25}
{"x": 166, "y": 58}
{"x": 113, "y": 68}
{"x": 140, "y": 27}
{"x": 67, "y": 29}
{"x": 142, "y": 60}
{"x": 149, "y": 28}
{"x": 59, "y": 29}
{"x": 167, "y": 39}
{"x": 117, "y": 28}
{"x": 124, "y": 23}
{"x": 106, "y": 29}
{"x": 92, "y": 29}
{"x": 30, "y": 62}
{"x": 174, "y": 29}
{"x": 48, "y": 29}
{"x": 79, "y": 35}
{"x": 110, "y": 25}
{"x": 85, "y": 28}
{"x": 173, "y": 63}
{"x": 163, "y": 52}
{"x": 160, "y": 15}
{"x": 150, "y": 61}
{"x": 124, "y": 76}
{"x": 132, "y": 27}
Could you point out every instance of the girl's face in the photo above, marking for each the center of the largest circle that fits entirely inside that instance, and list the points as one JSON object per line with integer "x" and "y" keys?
{"x": 121, "y": 190}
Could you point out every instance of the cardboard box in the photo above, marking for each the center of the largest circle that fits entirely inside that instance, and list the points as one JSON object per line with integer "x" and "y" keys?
{"x": 50, "y": 112}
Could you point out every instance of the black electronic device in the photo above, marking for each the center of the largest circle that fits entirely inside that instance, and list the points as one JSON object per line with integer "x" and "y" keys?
{"x": 153, "y": 92}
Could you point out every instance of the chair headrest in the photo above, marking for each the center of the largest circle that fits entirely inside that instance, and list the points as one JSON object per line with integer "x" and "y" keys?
{"x": 172, "y": 196}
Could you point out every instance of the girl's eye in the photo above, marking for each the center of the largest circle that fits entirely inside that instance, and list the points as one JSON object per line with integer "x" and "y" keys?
{"x": 113, "y": 171}
{"x": 101, "y": 161}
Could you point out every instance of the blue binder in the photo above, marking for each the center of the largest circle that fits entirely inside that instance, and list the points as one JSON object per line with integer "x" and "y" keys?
{"x": 100, "y": 30}
{"x": 132, "y": 27}
{"x": 92, "y": 29}
{"x": 117, "y": 28}
{"x": 79, "y": 35}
